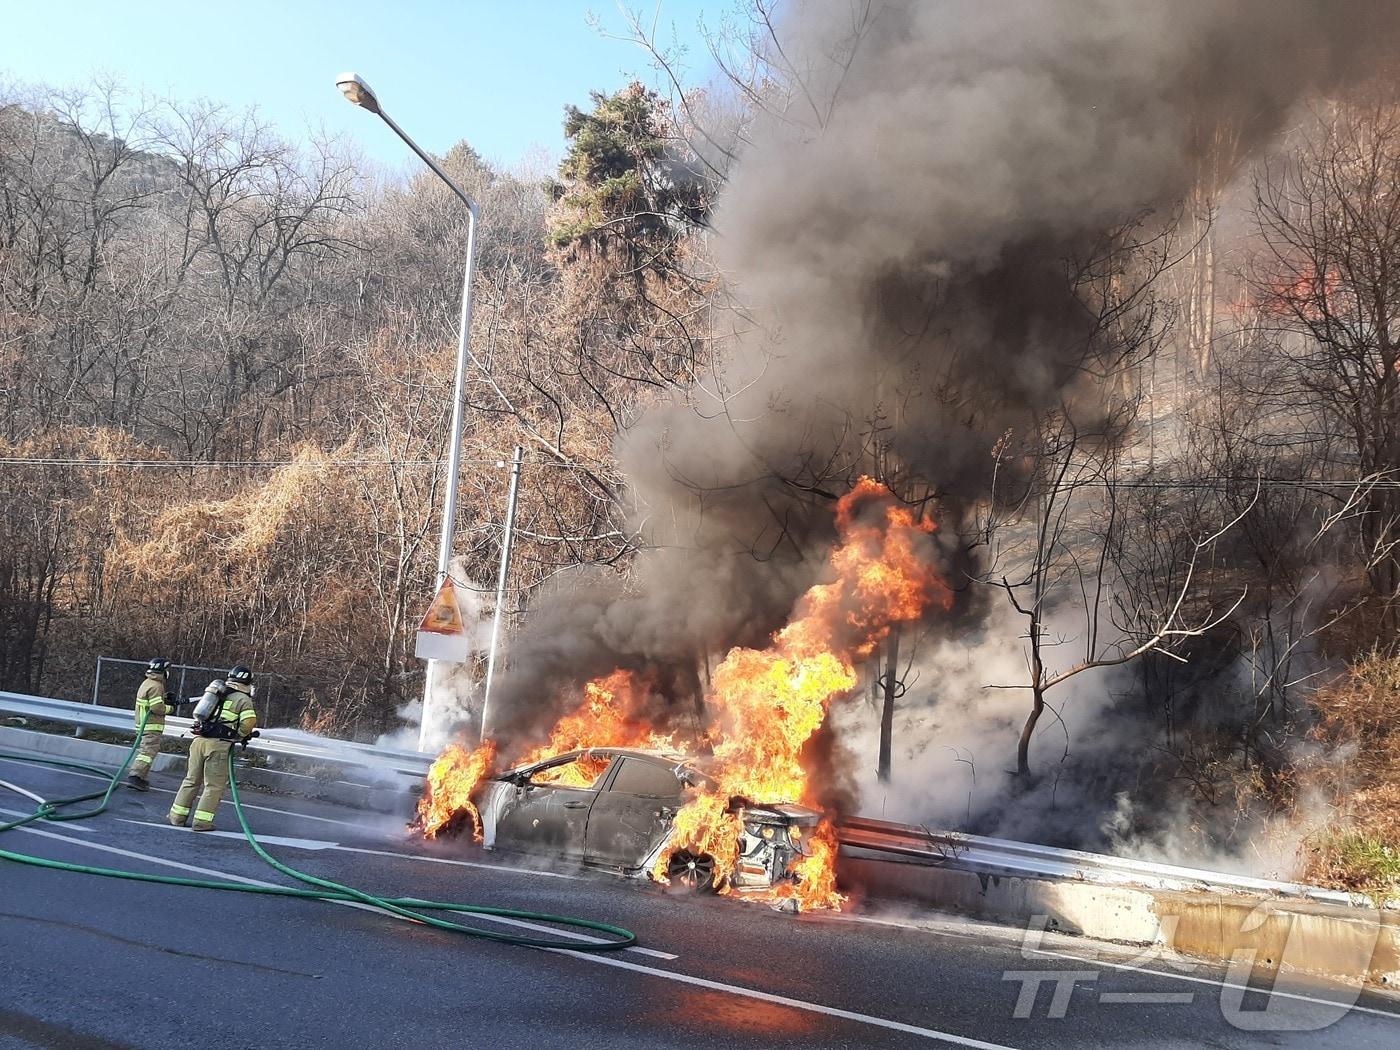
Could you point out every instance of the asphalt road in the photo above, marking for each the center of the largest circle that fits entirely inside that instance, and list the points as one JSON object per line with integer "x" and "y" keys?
{"x": 99, "y": 963}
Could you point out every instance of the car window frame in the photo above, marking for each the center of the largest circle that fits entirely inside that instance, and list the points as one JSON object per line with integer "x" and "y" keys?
{"x": 615, "y": 771}
{"x": 530, "y": 772}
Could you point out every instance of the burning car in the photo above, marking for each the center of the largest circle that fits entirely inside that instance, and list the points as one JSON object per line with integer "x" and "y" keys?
{"x": 613, "y": 807}
{"x": 609, "y": 788}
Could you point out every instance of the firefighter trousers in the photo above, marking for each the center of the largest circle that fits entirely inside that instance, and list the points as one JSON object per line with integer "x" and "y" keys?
{"x": 206, "y": 777}
{"x": 146, "y": 752}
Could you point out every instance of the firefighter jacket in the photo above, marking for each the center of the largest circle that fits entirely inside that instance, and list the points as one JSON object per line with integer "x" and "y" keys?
{"x": 235, "y": 712}
{"x": 150, "y": 701}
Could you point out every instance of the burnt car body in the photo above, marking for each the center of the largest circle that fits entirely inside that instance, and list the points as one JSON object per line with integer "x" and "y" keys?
{"x": 614, "y": 807}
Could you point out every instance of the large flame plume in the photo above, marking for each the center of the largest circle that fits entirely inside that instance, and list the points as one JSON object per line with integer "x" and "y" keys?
{"x": 767, "y": 703}
{"x": 608, "y": 717}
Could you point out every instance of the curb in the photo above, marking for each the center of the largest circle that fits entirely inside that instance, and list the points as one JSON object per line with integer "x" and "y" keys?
{"x": 1350, "y": 945}
{"x": 377, "y": 798}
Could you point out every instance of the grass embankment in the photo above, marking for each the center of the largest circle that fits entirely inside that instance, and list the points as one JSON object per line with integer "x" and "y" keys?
{"x": 1358, "y": 722}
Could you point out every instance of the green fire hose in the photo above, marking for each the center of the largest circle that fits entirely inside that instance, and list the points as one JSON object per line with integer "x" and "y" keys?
{"x": 407, "y": 908}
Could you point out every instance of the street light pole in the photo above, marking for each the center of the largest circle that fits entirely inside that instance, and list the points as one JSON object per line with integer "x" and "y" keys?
{"x": 354, "y": 88}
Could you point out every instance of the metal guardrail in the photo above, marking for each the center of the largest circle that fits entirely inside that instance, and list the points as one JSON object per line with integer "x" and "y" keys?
{"x": 1002, "y": 856}
{"x": 940, "y": 848}
{"x": 285, "y": 743}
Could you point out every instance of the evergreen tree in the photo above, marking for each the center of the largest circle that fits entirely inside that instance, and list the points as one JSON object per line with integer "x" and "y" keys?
{"x": 625, "y": 185}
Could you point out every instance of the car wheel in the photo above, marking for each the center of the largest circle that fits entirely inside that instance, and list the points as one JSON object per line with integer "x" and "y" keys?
{"x": 691, "y": 872}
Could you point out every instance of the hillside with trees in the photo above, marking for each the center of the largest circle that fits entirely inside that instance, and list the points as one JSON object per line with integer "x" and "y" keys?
{"x": 225, "y": 358}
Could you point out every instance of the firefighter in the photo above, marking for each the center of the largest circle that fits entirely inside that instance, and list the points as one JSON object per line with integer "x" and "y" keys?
{"x": 223, "y": 717}
{"x": 153, "y": 704}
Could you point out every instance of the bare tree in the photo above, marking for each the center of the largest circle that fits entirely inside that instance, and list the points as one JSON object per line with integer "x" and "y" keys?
{"x": 1329, "y": 218}
{"x": 1058, "y": 551}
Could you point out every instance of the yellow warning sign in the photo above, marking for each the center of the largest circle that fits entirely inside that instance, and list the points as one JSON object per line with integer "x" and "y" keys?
{"x": 444, "y": 616}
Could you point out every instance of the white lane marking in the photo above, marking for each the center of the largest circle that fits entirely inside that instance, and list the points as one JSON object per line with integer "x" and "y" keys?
{"x": 23, "y": 791}
{"x": 501, "y": 919}
{"x": 460, "y": 863}
{"x": 1117, "y": 966}
{"x": 178, "y": 865}
{"x": 505, "y": 920}
{"x": 357, "y": 825}
{"x": 226, "y": 802}
{"x": 1217, "y": 984}
{"x": 316, "y": 844}
{"x": 942, "y": 929}
{"x": 134, "y": 855}
{"x": 783, "y": 1000}
{"x": 72, "y": 827}
{"x": 276, "y": 840}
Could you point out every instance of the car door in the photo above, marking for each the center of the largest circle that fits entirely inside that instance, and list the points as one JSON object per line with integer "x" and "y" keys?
{"x": 633, "y": 812}
{"x": 567, "y": 818}
{"x": 518, "y": 825}
{"x": 549, "y": 812}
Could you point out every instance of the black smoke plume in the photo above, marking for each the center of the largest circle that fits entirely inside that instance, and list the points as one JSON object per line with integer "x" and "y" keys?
{"x": 905, "y": 225}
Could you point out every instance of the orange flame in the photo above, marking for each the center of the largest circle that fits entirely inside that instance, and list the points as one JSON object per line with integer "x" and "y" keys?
{"x": 609, "y": 717}
{"x": 452, "y": 779}
{"x": 816, "y": 874}
{"x": 771, "y": 701}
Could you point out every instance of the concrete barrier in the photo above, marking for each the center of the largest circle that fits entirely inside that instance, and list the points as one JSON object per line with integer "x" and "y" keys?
{"x": 1349, "y": 945}
{"x": 1115, "y": 913}
{"x": 375, "y": 797}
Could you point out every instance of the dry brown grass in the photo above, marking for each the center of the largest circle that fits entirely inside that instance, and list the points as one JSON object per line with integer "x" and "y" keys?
{"x": 1358, "y": 724}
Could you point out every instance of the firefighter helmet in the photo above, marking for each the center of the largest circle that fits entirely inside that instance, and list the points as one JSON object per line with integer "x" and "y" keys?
{"x": 240, "y": 675}
{"x": 158, "y": 665}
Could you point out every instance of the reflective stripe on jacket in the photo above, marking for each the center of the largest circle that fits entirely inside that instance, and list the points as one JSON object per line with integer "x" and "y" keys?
{"x": 151, "y": 697}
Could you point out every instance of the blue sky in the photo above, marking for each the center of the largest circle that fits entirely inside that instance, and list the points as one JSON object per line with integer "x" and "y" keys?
{"x": 495, "y": 73}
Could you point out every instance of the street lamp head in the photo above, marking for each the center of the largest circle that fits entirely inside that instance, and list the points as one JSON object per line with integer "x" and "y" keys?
{"x": 353, "y": 87}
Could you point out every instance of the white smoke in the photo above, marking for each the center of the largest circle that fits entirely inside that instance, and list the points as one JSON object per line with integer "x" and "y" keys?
{"x": 955, "y": 728}
{"x": 454, "y": 705}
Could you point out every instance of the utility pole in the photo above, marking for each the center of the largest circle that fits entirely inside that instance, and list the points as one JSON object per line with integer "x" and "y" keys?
{"x": 507, "y": 541}
{"x": 354, "y": 88}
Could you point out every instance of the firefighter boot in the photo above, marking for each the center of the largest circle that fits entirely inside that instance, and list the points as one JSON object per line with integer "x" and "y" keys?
{"x": 146, "y": 752}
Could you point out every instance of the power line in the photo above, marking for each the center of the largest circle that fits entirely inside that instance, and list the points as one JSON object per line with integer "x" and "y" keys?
{"x": 1220, "y": 484}
{"x": 250, "y": 464}
{"x": 1211, "y": 483}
